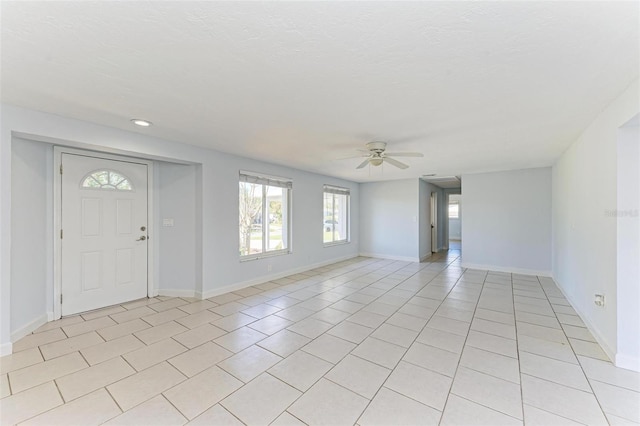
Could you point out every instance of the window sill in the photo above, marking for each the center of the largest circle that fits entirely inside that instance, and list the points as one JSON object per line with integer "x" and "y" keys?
{"x": 249, "y": 258}
{"x": 337, "y": 243}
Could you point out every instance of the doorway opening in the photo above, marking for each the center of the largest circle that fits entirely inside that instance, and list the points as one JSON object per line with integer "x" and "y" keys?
{"x": 454, "y": 216}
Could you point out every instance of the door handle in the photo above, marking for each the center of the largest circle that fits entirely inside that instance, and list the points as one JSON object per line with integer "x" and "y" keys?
{"x": 142, "y": 238}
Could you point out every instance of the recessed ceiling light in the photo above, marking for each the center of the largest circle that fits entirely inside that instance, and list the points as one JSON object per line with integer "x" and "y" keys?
{"x": 140, "y": 122}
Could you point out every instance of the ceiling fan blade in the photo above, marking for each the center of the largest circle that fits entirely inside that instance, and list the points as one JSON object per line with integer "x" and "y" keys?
{"x": 364, "y": 151}
{"x": 395, "y": 163}
{"x": 364, "y": 163}
{"x": 404, "y": 154}
{"x": 352, "y": 157}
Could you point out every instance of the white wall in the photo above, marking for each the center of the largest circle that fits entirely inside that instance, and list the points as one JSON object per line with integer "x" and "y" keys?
{"x": 507, "y": 221}
{"x": 216, "y": 190}
{"x": 455, "y": 231}
{"x": 584, "y": 236}
{"x": 389, "y": 219}
{"x": 628, "y": 247}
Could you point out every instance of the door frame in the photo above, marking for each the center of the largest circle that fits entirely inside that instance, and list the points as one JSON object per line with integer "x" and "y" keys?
{"x": 434, "y": 221}
{"x": 57, "y": 217}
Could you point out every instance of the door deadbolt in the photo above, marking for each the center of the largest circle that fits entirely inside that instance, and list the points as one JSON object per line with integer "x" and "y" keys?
{"x": 142, "y": 238}
{"x": 143, "y": 228}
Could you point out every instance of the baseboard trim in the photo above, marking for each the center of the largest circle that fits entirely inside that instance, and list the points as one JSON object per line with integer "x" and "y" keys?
{"x": 628, "y": 362}
{"x": 507, "y": 269}
{"x": 271, "y": 277}
{"x": 391, "y": 257}
{"x": 176, "y": 292}
{"x": 590, "y": 326}
{"x": 31, "y": 327}
{"x": 6, "y": 349}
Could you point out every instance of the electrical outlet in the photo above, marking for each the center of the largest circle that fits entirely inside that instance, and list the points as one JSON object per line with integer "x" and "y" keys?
{"x": 599, "y": 300}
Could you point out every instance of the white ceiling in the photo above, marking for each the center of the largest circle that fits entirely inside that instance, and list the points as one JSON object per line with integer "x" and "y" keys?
{"x": 475, "y": 86}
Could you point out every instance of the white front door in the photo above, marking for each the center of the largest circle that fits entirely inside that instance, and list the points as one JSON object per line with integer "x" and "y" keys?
{"x": 104, "y": 232}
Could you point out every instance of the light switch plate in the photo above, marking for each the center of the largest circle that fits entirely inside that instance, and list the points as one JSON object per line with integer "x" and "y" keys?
{"x": 167, "y": 222}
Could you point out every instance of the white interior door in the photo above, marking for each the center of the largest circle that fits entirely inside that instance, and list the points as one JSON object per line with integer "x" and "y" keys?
{"x": 104, "y": 232}
{"x": 434, "y": 222}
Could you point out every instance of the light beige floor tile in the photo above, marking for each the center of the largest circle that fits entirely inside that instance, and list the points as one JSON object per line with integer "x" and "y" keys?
{"x": 92, "y": 409}
{"x": 45, "y": 371}
{"x": 90, "y": 379}
{"x": 589, "y": 349}
{"x": 168, "y": 304}
{"x": 225, "y": 298}
{"x": 619, "y": 421}
{"x": 24, "y": 405}
{"x": 555, "y": 350}
{"x": 331, "y": 315}
{"x": 497, "y": 329}
{"x": 240, "y": 339}
{"x": 198, "y": 359}
{"x": 492, "y": 343}
{"x": 604, "y": 371}
{"x": 491, "y": 363}
{"x": 310, "y": 327}
{"x": 406, "y": 321}
{"x": 462, "y": 412}
{"x": 441, "y": 339}
{"x": 229, "y": 308}
{"x": 160, "y": 332}
{"x": 156, "y": 411}
{"x": 33, "y": 340}
{"x": 123, "y": 329}
{"x": 199, "y": 335}
{"x": 164, "y": 316}
{"x": 418, "y": 383}
{"x": 453, "y": 313}
{"x": 111, "y": 349}
{"x": 379, "y": 352}
{"x": 396, "y": 335}
{"x": 198, "y": 306}
{"x": 542, "y": 320}
{"x": 195, "y": 395}
{"x": 432, "y": 358}
{"x": 132, "y": 314}
{"x": 271, "y": 324}
{"x": 352, "y": 332}
{"x": 300, "y": 370}
{"x": 287, "y": 419}
{"x": 249, "y": 363}
{"x": 260, "y": 311}
{"x": 139, "y": 303}
{"x": 284, "y": 342}
{"x": 620, "y": 402}
{"x": 155, "y": 353}
{"x": 367, "y": 319}
{"x": 141, "y": 386}
{"x": 539, "y": 332}
{"x": 102, "y": 312}
{"x": 570, "y": 319}
{"x": 580, "y": 333}
{"x": 536, "y": 417}
{"x": 495, "y": 316}
{"x": 329, "y": 348}
{"x": 553, "y": 370}
{"x": 4, "y": 386}
{"x": 269, "y": 398}
{"x": 283, "y": 302}
{"x": 489, "y": 391}
{"x": 87, "y": 326}
{"x": 294, "y": 313}
{"x": 561, "y": 400}
{"x": 199, "y": 318}
{"x": 216, "y": 415}
{"x": 359, "y": 375}
{"x": 51, "y": 325}
{"x": 72, "y": 344}
{"x": 20, "y": 360}
{"x": 233, "y": 321}
{"x": 328, "y": 404}
{"x": 392, "y": 408}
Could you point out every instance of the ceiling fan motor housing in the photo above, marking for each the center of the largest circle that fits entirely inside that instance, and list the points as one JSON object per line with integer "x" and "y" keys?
{"x": 377, "y": 146}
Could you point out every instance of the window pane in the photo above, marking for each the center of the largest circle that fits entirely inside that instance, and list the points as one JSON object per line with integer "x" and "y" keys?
{"x": 327, "y": 226}
{"x": 276, "y": 232}
{"x": 107, "y": 179}
{"x": 453, "y": 211}
{"x": 250, "y": 218}
{"x": 341, "y": 210}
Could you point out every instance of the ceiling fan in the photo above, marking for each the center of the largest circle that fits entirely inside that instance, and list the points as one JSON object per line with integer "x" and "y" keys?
{"x": 376, "y": 155}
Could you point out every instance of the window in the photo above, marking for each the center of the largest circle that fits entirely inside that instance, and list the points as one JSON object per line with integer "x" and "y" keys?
{"x": 107, "y": 179}
{"x": 336, "y": 215}
{"x": 454, "y": 210}
{"x": 264, "y": 210}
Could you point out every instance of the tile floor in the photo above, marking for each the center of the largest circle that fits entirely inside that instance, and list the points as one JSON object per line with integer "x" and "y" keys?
{"x": 365, "y": 341}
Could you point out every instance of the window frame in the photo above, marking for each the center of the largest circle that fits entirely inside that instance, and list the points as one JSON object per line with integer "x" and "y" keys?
{"x": 337, "y": 190}
{"x": 454, "y": 203}
{"x": 266, "y": 181}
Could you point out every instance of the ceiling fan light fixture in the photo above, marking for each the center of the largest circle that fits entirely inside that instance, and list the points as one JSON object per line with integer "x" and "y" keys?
{"x": 375, "y": 161}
